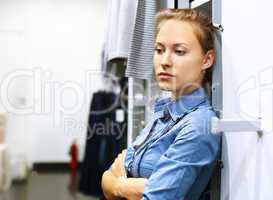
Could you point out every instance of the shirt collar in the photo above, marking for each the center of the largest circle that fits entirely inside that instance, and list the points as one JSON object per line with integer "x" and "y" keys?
{"x": 179, "y": 107}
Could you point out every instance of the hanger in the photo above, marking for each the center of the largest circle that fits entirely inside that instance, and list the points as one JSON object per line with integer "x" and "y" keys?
{"x": 111, "y": 83}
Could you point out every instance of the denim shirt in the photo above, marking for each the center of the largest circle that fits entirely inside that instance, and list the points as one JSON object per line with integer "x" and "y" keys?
{"x": 176, "y": 151}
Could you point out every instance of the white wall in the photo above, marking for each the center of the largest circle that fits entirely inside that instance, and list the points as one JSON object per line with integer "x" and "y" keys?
{"x": 248, "y": 81}
{"x": 55, "y": 44}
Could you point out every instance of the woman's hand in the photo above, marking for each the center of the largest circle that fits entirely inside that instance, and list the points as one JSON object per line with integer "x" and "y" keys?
{"x": 115, "y": 186}
{"x": 111, "y": 181}
{"x": 132, "y": 188}
{"x": 118, "y": 168}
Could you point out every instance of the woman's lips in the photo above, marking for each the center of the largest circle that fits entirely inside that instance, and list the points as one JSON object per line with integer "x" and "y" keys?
{"x": 165, "y": 76}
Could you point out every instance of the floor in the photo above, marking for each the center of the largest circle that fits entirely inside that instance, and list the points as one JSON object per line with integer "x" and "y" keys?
{"x": 45, "y": 186}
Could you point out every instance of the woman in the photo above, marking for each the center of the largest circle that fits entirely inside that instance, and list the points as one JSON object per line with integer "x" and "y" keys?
{"x": 174, "y": 155}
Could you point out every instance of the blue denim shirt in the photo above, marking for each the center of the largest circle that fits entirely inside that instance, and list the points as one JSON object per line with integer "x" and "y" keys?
{"x": 176, "y": 151}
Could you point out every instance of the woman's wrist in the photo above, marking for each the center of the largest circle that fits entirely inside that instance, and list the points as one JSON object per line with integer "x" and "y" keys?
{"x": 119, "y": 186}
{"x": 130, "y": 188}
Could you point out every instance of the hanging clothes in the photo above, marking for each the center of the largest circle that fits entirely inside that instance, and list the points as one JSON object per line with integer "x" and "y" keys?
{"x": 140, "y": 61}
{"x": 121, "y": 20}
{"x": 106, "y": 137}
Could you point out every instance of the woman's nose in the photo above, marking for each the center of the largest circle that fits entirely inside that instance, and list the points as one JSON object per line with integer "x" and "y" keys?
{"x": 166, "y": 60}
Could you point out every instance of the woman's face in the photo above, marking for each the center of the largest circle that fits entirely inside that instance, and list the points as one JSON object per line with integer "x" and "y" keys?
{"x": 178, "y": 59}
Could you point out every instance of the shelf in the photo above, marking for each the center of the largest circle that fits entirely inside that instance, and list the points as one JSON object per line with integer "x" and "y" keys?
{"x": 198, "y": 3}
{"x": 203, "y": 5}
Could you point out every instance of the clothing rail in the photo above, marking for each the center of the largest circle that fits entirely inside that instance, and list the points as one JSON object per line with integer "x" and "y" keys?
{"x": 229, "y": 125}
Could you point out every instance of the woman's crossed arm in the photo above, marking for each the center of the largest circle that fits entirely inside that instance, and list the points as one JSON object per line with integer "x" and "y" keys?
{"x": 115, "y": 186}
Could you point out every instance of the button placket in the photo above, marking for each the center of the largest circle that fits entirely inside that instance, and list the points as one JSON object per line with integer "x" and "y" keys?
{"x": 143, "y": 149}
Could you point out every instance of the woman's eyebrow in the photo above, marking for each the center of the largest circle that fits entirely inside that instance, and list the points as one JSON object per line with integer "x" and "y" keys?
{"x": 158, "y": 43}
{"x": 180, "y": 44}
{"x": 175, "y": 45}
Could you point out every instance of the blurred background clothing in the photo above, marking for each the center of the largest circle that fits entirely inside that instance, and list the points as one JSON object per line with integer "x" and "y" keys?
{"x": 106, "y": 137}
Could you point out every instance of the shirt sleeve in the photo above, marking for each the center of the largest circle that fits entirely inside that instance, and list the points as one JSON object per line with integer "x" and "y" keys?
{"x": 177, "y": 169}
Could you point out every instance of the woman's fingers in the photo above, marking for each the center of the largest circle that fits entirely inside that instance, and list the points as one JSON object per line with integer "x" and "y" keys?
{"x": 124, "y": 151}
{"x": 118, "y": 168}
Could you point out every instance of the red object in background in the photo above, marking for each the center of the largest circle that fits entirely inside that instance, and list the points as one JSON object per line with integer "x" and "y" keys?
{"x": 74, "y": 163}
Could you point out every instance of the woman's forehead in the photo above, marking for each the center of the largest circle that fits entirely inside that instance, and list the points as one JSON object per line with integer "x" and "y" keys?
{"x": 176, "y": 33}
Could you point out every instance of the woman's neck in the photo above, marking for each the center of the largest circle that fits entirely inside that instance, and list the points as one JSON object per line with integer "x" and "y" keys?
{"x": 178, "y": 94}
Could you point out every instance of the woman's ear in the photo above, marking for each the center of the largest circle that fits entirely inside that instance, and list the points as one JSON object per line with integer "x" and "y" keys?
{"x": 208, "y": 59}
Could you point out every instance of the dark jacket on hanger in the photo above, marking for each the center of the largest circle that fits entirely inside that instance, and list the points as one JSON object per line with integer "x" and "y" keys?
{"x": 105, "y": 140}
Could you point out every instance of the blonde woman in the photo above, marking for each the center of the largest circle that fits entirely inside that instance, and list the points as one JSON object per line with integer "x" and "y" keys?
{"x": 174, "y": 155}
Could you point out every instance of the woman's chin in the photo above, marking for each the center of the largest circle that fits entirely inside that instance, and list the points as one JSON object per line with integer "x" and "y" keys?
{"x": 165, "y": 87}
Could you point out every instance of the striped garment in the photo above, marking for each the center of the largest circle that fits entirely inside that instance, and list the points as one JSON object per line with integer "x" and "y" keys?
{"x": 140, "y": 60}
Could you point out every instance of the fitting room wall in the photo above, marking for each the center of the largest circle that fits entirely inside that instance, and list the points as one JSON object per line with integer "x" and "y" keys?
{"x": 247, "y": 94}
{"x": 47, "y": 50}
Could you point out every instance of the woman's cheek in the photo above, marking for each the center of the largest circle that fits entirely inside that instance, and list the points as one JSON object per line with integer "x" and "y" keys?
{"x": 156, "y": 63}
{"x": 178, "y": 82}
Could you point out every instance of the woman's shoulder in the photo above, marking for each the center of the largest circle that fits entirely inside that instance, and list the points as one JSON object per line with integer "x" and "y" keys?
{"x": 199, "y": 120}
{"x": 203, "y": 111}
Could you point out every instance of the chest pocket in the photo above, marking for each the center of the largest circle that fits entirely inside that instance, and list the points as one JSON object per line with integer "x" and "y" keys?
{"x": 154, "y": 150}
{"x": 149, "y": 149}
{"x": 145, "y": 169}
{"x": 157, "y": 146}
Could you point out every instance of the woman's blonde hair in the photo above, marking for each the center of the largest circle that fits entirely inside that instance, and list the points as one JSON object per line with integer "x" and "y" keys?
{"x": 202, "y": 27}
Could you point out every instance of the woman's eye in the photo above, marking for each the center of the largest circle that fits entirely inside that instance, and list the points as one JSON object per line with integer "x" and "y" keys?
{"x": 158, "y": 51}
{"x": 180, "y": 52}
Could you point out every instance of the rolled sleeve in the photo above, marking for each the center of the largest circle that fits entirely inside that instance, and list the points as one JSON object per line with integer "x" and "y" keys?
{"x": 178, "y": 168}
